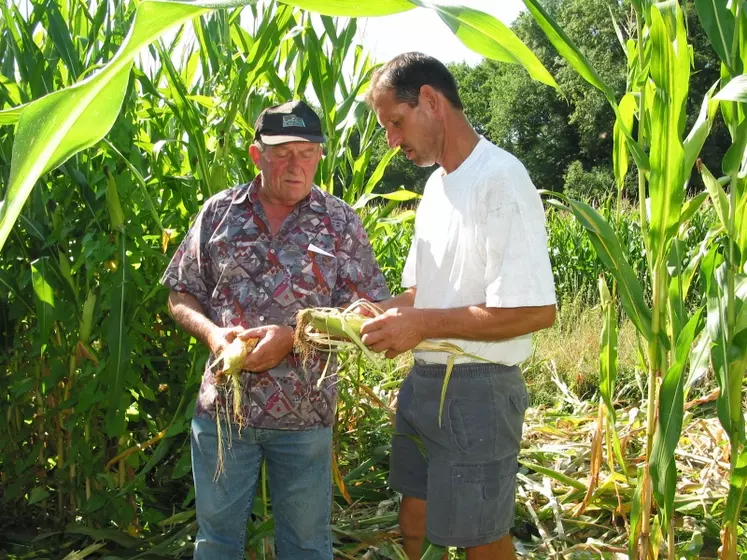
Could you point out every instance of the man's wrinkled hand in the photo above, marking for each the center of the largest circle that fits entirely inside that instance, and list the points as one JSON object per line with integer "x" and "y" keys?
{"x": 220, "y": 337}
{"x": 275, "y": 343}
{"x": 396, "y": 331}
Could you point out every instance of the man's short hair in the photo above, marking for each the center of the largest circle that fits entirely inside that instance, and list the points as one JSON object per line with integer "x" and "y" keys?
{"x": 407, "y": 73}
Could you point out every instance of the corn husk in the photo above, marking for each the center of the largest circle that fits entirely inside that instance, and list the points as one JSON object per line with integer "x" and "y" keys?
{"x": 334, "y": 330}
{"x": 227, "y": 368}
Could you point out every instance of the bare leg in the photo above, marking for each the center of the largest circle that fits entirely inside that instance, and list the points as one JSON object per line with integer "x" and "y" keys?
{"x": 502, "y": 549}
{"x": 412, "y": 525}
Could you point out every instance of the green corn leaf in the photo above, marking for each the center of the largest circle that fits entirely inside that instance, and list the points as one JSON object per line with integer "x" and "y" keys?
{"x": 700, "y": 360}
{"x": 62, "y": 39}
{"x": 611, "y": 254}
{"x": 670, "y": 70}
{"x": 433, "y": 552}
{"x": 624, "y": 121}
{"x": 669, "y": 421}
{"x": 636, "y": 515}
{"x": 44, "y": 297}
{"x": 691, "y": 207}
{"x": 701, "y": 129}
{"x": 141, "y": 183}
{"x": 112, "y": 535}
{"x": 11, "y": 116}
{"x": 568, "y": 49}
{"x": 735, "y": 90}
{"x": 740, "y": 227}
{"x": 347, "y": 8}
{"x": 396, "y": 196}
{"x": 86, "y": 320}
{"x": 736, "y": 155}
{"x": 718, "y": 198}
{"x": 573, "y": 55}
{"x": 55, "y": 127}
{"x": 11, "y": 286}
{"x": 734, "y": 501}
{"x": 37, "y": 495}
{"x": 116, "y": 214}
{"x": 718, "y": 22}
{"x": 378, "y": 173}
{"x": 118, "y": 341}
{"x": 490, "y": 37}
{"x": 728, "y": 356}
{"x": 608, "y": 348}
{"x": 555, "y": 475}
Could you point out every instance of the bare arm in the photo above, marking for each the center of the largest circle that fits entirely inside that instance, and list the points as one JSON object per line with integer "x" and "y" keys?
{"x": 478, "y": 322}
{"x": 190, "y": 316}
{"x": 405, "y": 299}
{"x": 401, "y": 329}
{"x": 276, "y": 341}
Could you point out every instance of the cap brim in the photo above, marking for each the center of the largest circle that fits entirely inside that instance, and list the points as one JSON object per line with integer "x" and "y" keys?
{"x": 275, "y": 139}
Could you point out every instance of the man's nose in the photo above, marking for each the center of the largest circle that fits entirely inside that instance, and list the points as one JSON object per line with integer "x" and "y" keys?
{"x": 393, "y": 139}
{"x": 293, "y": 161}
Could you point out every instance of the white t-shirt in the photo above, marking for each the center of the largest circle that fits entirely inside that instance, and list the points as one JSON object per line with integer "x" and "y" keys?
{"x": 480, "y": 239}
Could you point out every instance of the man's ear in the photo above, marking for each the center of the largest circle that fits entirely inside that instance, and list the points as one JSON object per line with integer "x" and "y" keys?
{"x": 255, "y": 153}
{"x": 431, "y": 98}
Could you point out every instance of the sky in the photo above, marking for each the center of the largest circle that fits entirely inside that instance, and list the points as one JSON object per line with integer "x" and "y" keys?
{"x": 422, "y": 30}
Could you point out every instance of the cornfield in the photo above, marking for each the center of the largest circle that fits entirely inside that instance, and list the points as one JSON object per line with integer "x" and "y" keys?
{"x": 118, "y": 119}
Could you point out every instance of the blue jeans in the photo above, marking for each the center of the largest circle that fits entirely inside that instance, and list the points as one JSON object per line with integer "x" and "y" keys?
{"x": 299, "y": 467}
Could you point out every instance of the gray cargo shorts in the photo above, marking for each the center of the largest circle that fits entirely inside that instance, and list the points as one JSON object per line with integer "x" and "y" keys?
{"x": 465, "y": 469}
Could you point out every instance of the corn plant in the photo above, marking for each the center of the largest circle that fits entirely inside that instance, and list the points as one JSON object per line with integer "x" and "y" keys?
{"x": 659, "y": 71}
{"x": 125, "y": 118}
{"x": 81, "y": 267}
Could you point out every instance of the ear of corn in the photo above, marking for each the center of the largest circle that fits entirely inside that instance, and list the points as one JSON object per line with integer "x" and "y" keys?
{"x": 227, "y": 368}
{"x": 332, "y": 330}
{"x": 231, "y": 359}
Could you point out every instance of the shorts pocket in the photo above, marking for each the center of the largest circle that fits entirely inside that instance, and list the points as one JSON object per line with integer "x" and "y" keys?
{"x": 473, "y": 423}
{"x": 483, "y": 499}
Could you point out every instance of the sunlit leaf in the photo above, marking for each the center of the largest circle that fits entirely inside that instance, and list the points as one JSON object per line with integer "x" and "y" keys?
{"x": 44, "y": 296}
{"x": 669, "y": 421}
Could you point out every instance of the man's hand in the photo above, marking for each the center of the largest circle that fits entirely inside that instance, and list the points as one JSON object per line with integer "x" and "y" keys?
{"x": 363, "y": 307}
{"x": 218, "y": 338}
{"x": 275, "y": 343}
{"x": 398, "y": 330}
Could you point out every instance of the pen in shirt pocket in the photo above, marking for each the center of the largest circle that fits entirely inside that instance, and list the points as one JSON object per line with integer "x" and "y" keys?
{"x": 314, "y": 249}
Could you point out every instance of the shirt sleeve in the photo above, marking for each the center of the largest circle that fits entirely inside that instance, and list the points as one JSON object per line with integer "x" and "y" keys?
{"x": 358, "y": 273}
{"x": 189, "y": 270}
{"x": 518, "y": 271}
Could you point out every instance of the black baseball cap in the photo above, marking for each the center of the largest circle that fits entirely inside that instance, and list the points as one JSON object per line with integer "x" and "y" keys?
{"x": 293, "y": 121}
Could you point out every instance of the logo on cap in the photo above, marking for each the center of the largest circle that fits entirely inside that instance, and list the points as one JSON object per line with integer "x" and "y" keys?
{"x": 293, "y": 120}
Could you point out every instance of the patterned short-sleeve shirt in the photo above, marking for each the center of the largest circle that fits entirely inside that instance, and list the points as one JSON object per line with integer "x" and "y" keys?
{"x": 243, "y": 275}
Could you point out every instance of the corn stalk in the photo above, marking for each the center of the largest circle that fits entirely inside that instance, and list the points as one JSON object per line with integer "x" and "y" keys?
{"x": 659, "y": 70}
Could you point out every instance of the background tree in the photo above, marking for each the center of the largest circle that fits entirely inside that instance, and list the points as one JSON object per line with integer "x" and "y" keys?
{"x": 565, "y": 142}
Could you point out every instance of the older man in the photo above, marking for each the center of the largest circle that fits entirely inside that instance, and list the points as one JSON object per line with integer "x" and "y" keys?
{"x": 478, "y": 272}
{"x": 255, "y": 255}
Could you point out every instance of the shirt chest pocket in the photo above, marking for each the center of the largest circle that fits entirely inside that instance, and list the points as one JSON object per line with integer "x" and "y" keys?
{"x": 318, "y": 271}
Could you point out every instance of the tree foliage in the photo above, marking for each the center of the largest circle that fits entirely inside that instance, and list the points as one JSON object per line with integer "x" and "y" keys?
{"x": 565, "y": 138}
